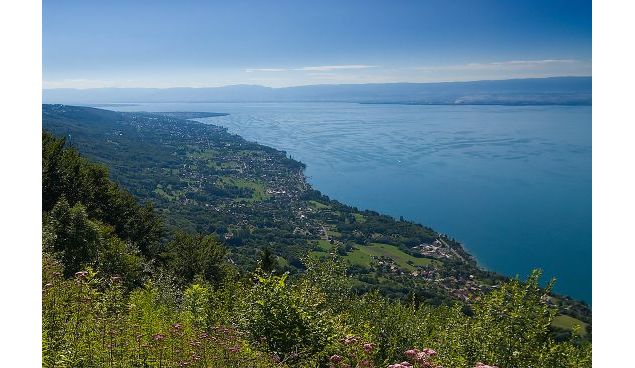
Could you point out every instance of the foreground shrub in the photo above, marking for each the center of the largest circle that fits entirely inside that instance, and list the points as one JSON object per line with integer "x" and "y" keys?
{"x": 91, "y": 320}
{"x": 290, "y": 322}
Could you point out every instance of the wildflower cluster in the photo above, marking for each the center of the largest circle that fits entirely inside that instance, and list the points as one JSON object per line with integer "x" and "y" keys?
{"x": 417, "y": 358}
{"x": 481, "y": 365}
{"x": 354, "y": 353}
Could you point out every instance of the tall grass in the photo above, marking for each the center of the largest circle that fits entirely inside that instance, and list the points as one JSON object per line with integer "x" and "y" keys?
{"x": 315, "y": 320}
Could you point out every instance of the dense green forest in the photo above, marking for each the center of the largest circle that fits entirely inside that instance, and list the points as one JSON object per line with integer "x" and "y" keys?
{"x": 173, "y": 282}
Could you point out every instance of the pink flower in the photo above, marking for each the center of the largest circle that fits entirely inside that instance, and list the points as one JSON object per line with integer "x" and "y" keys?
{"x": 234, "y": 349}
{"x": 430, "y": 352}
{"x": 411, "y": 353}
{"x": 335, "y": 358}
{"x": 368, "y": 347}
{"x": 421, "y": 357}
{"x": 364, "y": 363}
{"x": 481, "y": 365}
{"x": 349, "y": 340}
{"x": 158, "y": 337}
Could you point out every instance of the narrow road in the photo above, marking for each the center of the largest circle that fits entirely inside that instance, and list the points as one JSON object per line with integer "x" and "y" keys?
{"x": 452, "y": 250}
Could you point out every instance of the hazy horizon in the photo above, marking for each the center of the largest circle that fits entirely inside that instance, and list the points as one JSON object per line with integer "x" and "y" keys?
{"x": 534, "y": 91}
{"x": 325, "y": 84}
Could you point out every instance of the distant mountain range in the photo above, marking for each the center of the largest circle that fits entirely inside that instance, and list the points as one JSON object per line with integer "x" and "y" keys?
{"x": 534, "y": 91}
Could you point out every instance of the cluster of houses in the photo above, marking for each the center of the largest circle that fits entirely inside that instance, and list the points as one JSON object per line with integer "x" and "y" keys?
{"x": 437, "y": 249}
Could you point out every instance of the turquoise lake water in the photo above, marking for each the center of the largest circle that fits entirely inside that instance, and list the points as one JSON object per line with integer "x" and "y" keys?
{"x": 513, "y": 184}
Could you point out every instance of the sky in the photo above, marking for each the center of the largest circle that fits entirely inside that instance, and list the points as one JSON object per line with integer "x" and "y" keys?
{"x": 188, "y": 43}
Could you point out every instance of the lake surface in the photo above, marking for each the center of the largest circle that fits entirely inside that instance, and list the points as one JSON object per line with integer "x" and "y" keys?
{"x": 513, "y": 184}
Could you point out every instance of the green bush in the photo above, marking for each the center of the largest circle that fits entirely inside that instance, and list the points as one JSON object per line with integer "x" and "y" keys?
{"x": 69, "y": 233}
{"x": 189, "y": 256}
{"x": 289, "y": 321}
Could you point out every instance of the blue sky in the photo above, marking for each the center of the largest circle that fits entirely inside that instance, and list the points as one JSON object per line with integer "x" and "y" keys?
{"x": 282, "y": 43}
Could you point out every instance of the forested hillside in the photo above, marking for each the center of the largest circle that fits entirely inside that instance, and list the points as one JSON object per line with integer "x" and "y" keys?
{"x": 121, "y": 290}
